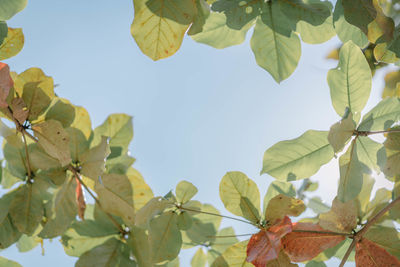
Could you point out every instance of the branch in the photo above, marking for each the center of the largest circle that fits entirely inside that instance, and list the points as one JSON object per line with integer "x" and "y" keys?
{"x": 27, "y": 158}
{"x": 359, "y": 234}
{"x": 366, "y": 133}
{"x": 323, "y": 232}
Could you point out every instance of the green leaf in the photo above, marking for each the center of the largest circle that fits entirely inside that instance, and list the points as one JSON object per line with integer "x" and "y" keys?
{"x": 315, "y": 263}
{"x": 219, "y": 247}
{"x": 116, "y": 196}
{"x": 8, "y": 263}
{"x": 142, "y": 192}
{"x": 185, "y": 191}
{"x": 12, "y": 44}
{"x": 238, "y": 12}
{"x": 240, "y": 195}
{"x": 276, "y": 188}
{"x": 341, "y": 132}
{"x": 217, "y": 34}
{"x": 280, "y": 206}
{"x": 386, "y": 237}
{"x": 64, "y": 210}
{"x": 317, "y": 205}
{"x": 199, "y": 259}
{"x": 392, "y": 146}
{"x": 234, "y": 256}
{"x": 93, "y": 160}
{"x": 3, "y": 31}
{"x": 341, "y": 218}
{"x": 298, "y": 158}
{"x": 26, "y": 208}
{"x": 202, "y": 13}
{"x": 61, "y": 110}
{"x": 351, "y": 175}
{"x": 120, "y": 130}
{"x": 112, "y": 253}
{"x": 152, "y": 208}
{"x": 139, "y": 242}
{"x": 159, "y": 26}
{"x": 350, "y": 81}
{"x": 276, "y": 48}
{"x": 371, "y": 153}
{"x": 120, "y": 164}
{"x": 165, "y": 237}
{"x": 5, "y": 202}
{"x": 27, "y": 243}
{"x": 381, "y": 200}
{"x": 364, "y": 197}
{"x": 82, "y": 121}
{"x": 313, "y": 19}
{"x": 9, "y": 234}
{"x": 54, "y": 140}
{"x": 382, "y": 116}
{"x": 37, "y": 91}
{"x": 14, "y": 155}
{"x": 8, "y": 8}
{"x": 78, "y": 144}
{"x": 359, "y": 13}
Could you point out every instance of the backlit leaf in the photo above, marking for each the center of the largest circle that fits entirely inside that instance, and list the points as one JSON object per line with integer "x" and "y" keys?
{"x": 12, "y": 44}
{"x": 303, "y": 246}
{"x": 202, "y": 13}
{"x": 6, "y": 83}
{"x": 298, "y": 158}
{"x": 142, "y": 192}
{"x": 20, "y": 111}
{"x": 152, "y": 208}
{"x": 392, "y": 146}
{"x": 341, "y": 132}
{"x": 8, "y": 8}
{"x": 9, "y": 234}
{"x": 359, "y": 13}
{"x": 199, "y": 259}
{"x": 240, "y": 195}
{"x": 61, "y": 110}
{"x": 282, "y": 205}
{"x": 371, "y": 153}
{"x": 159, "y": 26}
{"x": 185, "y": 191}
{"x": 341, "y": 218}
{"x": 350, "y": 81}
{"x": 8, "y": 263}
{"x": 391, "y": 80}
{"x": 317, "y": 205}
{"x": 234, "y": 256}
{"x": 93, "y": 160}
{"x": 382, "y": 116}
{"x": 276, "y": 188}
{"x": 370, "y": 254}
{"x": 386, "y": 237}
{"x": 282, "y": 261}
{"x": 139, "y": 242}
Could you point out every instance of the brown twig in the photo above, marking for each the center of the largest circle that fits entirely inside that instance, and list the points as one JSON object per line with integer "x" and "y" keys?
{"x": 366, "y": 133}
{"x": 359, "y": 234}
{"x": 27, "y": 158}
{"x": 323, "y": 232}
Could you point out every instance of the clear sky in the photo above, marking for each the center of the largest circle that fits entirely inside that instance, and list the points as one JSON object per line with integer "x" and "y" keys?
{"x": 197, "y": 115}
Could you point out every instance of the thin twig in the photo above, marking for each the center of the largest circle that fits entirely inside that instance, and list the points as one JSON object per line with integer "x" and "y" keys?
{"x": 366, "y": 133}
{"x": 359, "y": 234}
{"x": 27, "y": 158}
{"x": 226, "y": 236}
{"x": 323, "y": 232}
{"x": 215, "y": 214}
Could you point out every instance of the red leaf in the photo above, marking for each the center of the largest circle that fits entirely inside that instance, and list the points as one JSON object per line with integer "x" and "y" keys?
{"x": 370, "y": 254}
{"x": 266, "y": 244}
{"x": 6, "y": 83}
{"x": 80, "y": 199}
{"x": 304, "y": 246}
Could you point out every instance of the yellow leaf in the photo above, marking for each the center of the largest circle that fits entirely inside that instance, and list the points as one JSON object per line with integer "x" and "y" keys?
{"x": 12, "y": 44}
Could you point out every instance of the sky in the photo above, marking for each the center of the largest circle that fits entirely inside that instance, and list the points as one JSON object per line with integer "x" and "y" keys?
{"x": 197, "y": 115}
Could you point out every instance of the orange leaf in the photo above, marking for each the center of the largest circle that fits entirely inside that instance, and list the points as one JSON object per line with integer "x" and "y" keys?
{"x": 266, "y": 244}
{"x": 370, "y": 254}
{"x": 6, "y": 83}
{"x": 80, "y": 200}
{"x": 304, "y": 246}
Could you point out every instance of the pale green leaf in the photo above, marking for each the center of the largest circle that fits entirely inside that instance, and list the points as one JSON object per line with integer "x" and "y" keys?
{"x": 315, "y": 264}
{"x": 341, "y": 218}
{"x": 3, "y": 31}
{"x": 371, "y": 153}
{"x": 61, "y": 110}
{"x": 8, "y": 8}
{"x": 298, "y": 158}
{"x": 350, "y": 81}
{"x": 283, "y": 260}
{"x": 276, "y": 48}
{"x": 93, "y": 160}
{"x": 317, "y": 205}
{"x": 392, "y": 146}
{"x": 359, "y": 13}
{"x": 341, "y": 132}
{"x": 381, "y": 200}
{"x": 276, "y": 188}
{"x": 142, "y": 192}
{"x": 382, "y": 116}
{"x": 152, "y": 208}
{"x": 218, "y": 35}
{"x": 229, "y": 239}
{"x": 351, "y": 176}
{"x": 185, "y": 191}
{"x": 364, "y": 197}
{"x": 202, "y": 13}
{"x": 282, "y": 205}
{"x": 8, "y": 263}
{"x": 160, "y": 25}
{"x": 165, "y": 237}
{"x": 12, "y": 44}
{"x": 199, "y": 259}
{"x": 240, "y": 195}
{"x": 185, "y": 221}
{"x": 27, "y": 243}
{"x": 139, "y": 242}
{"x": 9, "y": 234}
{"x": 234, "y": 256}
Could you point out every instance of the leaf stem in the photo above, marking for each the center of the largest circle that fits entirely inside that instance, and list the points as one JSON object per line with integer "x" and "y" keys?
{"x": 215, "y": 214}
{"x": 27, "y": 158}
{"x": 323, "y": 232}
{"x": 359, "y": 234}
{"x": 366, "y": 133}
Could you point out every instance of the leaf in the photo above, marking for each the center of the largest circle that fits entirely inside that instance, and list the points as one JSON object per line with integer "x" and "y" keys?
{"x": 20, "y": 112}
{"x": 27, "y": 243}
{"x": 36, "y": 89}
{"x": 298, "y": 158}
{"x": 359, "y": 13}
{"x": 276, "y": 188}
{"x": 61, "y": 110}
{"x": 220, "y": 247}
{"x": 370, "y": 254}
{"x": 142, "y": 192}
{"x": 238, "y": 12}
{"x": 282, "y": 261}
{"x": 303, "y": 246}
{"x": 54, "y": 140}
{"x": 165, "y": 237}
{"x": 266, "y": 244}
{"x": 26, "y": 209}
{"x": 382, "y": 116}
{"x": 391, "y": 80}
{"x": 240, "y": 195}
{"x": 116, "y": 196}
{"x": 8, "y": 8}
{"x": 112, "y": 253}
{"x": 386, "y": 237}
{"x": 381, "y": 200}
{"x": 234, "y": 256}
{"x": 341, "y": 218}
{"x": 159, "y": 26}
{"x": 351, "y": 175}
{"x": 392, "y": 146}
{"x": 93, "y": 160}
{"x": 350, "y": 82}
{"x": 282, "y": 205}
{"x": 199, "y": 20}
{"x": 341, "y": 132}
{"x": 371, "y": 153}
{"x": 317, "y": 205}
{"x": 152, "y": 208}
{"x": 119, "y": 128}
{"x": 6, "y": 83}
{"x": 3, "y": 31}
{"x": 185, "y": 191}
{"x": 346, "y": 31}
{"x": 12, "y": 44}
{"x": 199, "y": 259}
{"x": 217, "y": 34}
{"x": 82, "y": 121}
{"x": 139, "y": 242}
{"x": 64, "y": 211}
{"x": 364, "y": 197}
{"x": 315, "y": 264}
{"x": 80, "y": 199}
{"x": 9, "y": 234}
{"x": 8, "y": 263}
{"x": 276, "y": 48}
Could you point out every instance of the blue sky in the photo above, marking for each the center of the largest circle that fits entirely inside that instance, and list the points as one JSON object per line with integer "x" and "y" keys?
{"x": 197, "y": 115}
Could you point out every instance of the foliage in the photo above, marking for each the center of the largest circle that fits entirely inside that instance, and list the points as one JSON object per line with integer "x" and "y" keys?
{"x": 53, "y": 156}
